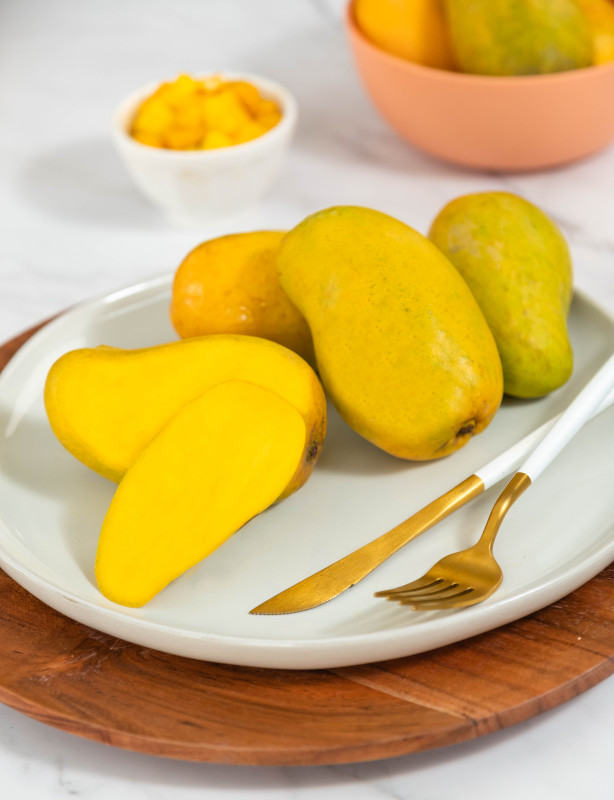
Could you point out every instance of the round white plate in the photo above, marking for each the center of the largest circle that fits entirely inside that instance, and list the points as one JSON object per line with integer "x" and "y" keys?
{"x": 559, "y": 535}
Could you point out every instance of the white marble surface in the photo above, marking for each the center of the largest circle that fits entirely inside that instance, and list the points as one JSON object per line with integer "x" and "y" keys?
{"x": 73, "y": 226}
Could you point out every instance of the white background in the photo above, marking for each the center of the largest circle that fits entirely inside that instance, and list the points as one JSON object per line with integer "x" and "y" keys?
{"x": 74, "y": 226}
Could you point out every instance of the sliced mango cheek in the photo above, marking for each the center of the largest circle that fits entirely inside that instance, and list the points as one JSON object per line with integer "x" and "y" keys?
{"x": 224, "y": 458}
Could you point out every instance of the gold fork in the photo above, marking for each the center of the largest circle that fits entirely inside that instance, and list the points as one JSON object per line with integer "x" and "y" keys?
{"x": 470, "y": 576}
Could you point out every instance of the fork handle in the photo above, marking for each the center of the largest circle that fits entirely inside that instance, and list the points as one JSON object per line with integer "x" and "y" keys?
{"x": 570, "y": 422}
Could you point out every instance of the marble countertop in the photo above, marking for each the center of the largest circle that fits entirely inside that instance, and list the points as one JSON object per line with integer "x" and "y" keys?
{"x": 74, "y": 226}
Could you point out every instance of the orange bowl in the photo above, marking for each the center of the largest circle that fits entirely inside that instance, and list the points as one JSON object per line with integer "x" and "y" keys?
{"x": 507, "y": 123}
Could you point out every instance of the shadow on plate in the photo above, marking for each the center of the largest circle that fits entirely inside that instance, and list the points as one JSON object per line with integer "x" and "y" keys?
{"x": 347, "y": 453}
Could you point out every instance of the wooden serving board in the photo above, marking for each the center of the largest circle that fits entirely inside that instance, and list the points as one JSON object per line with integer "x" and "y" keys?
{"x": 93, "y": 685}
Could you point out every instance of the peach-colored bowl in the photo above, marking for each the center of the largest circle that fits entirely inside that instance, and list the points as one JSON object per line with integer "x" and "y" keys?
{"x": 507, "y": 123}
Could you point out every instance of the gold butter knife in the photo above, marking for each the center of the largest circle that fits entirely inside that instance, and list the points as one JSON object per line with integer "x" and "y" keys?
{"x": 339, "y": 576}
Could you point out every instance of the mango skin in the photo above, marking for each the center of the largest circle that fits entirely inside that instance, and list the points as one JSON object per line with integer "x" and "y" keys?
{"x": 230, "y": 285}
{"x": 600, "y": 17}
{"x": 106, "y": 404}
{"x": 518, "y": 266}
{"x": 415, "y": 30}
{"x": 401, "y": 345}
{"x": 519, "y": 37}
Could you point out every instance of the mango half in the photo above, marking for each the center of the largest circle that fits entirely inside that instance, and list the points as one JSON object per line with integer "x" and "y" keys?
{"x": 223, "y": 459}
{"x": 106, "y": 404}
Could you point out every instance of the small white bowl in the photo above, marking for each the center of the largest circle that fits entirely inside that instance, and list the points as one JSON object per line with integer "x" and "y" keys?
{"x": 199, "y": 187}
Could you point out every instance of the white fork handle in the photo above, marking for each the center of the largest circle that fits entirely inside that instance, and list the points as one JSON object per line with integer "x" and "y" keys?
{"x": 508, "y": 462}
{"x": 571, "y": 420}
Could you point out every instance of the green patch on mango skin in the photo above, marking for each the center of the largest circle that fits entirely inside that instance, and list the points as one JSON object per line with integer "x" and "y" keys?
{"x": 517, "y": 264}
{"x": 519, "y": 37}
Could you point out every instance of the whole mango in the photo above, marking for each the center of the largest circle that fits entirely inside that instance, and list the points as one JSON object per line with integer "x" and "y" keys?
{"x": 401, "y": 345}
{"x": 415, "y": 30}
{"x": 519, "y": 37}
{"x": 518, "y": 266}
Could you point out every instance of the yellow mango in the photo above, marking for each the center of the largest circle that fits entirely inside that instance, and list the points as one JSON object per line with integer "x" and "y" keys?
{"x": 600, "y": 16}
{"x": 150, "y": 139}
{"x": 182, "y": 138}
{"x": 180, "y": 90}
{"x": 105, "y": 404}
{"x": 252, "y": 130}
{"x": 214, "y": 139}
{"x": 247, "y": 93}
{"x": 402, "y": 348}
{"x": 188, "y": 114}
{"x": 154, "y": 116}
{"x": 415, "y": 30}
{"x": 230, "y": 285}
{"x": 223, "y": 459}
{"x": 224, "y": 112}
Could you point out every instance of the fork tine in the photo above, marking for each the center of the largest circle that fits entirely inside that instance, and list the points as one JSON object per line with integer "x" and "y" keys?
{"x": 462, "y": 598}
{"x": 421, "y": 583}
{"x": 441, "y": 590}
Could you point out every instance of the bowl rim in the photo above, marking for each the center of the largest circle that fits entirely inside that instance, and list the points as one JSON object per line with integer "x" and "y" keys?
{"x": 286, "y": 100}
{"x": 467, "y": 78}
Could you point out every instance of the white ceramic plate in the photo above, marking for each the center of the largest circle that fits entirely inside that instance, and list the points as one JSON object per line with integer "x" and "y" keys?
{"x": 559, "y": 535}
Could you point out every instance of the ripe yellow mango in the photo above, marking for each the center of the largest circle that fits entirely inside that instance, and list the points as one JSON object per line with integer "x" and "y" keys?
{"x": 415, "y": 30}
{"x": 230, "y": 285}
{"x": 518, "y": 266}
{"x": 519, "y": 37}
{"x": 600, "y": 16}
{"x": 105, "y": 404}
{"x": 402, "y": 348}
{"x": 225, "y": 457}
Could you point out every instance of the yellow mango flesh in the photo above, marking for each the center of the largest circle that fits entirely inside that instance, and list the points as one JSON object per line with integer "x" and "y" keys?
{"x": 223, "y": 459}
{"x": 519, "y": 37}
{"x": 230, "y": 285}
{"x": 518, "y": 266}
{"x": 106, "y": 404}
{"x": 192, "y": 114}
{"x": 402, "y": 348}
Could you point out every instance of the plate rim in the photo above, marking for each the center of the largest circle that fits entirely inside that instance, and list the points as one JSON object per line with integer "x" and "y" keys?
{"x": 304, "y": 653}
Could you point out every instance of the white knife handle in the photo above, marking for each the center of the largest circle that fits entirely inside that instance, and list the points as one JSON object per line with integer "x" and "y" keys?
{"x": 572, "y": 419}
{"x": 509, "y": 461}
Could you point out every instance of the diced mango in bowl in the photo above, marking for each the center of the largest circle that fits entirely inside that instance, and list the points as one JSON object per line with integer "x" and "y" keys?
{"x": 203, "y": 114}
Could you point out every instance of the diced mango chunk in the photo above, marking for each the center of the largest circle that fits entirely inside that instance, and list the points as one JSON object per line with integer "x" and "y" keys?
{"x": 224, "y": 112}
{"x": 251, "y": 130}
{"x": 191, "y": 114}
{"x": 213, "y": 139}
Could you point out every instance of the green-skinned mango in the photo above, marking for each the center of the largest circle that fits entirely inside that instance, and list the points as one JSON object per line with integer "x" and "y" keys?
{"x": 402, "y": 347}
{"x": 519, "y": 37}
{"x": 518, "y": 266}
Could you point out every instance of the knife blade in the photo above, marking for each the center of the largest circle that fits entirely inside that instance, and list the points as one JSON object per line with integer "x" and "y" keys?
{"x": 334, "y": 579}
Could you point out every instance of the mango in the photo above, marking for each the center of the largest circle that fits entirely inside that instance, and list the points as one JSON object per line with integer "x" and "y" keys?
{"x": 415, "y": 30}
{"x": 518, "y": 266}
{"x": 106, "y": 404}
{"x": 402, "y": 348}
{"x": 519, "y": 37}
{"x": 208, "y": 113}
{"x": 600, "y": 17}
{"x": 223, "y": 459}
{"x": 230, "y": 285}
